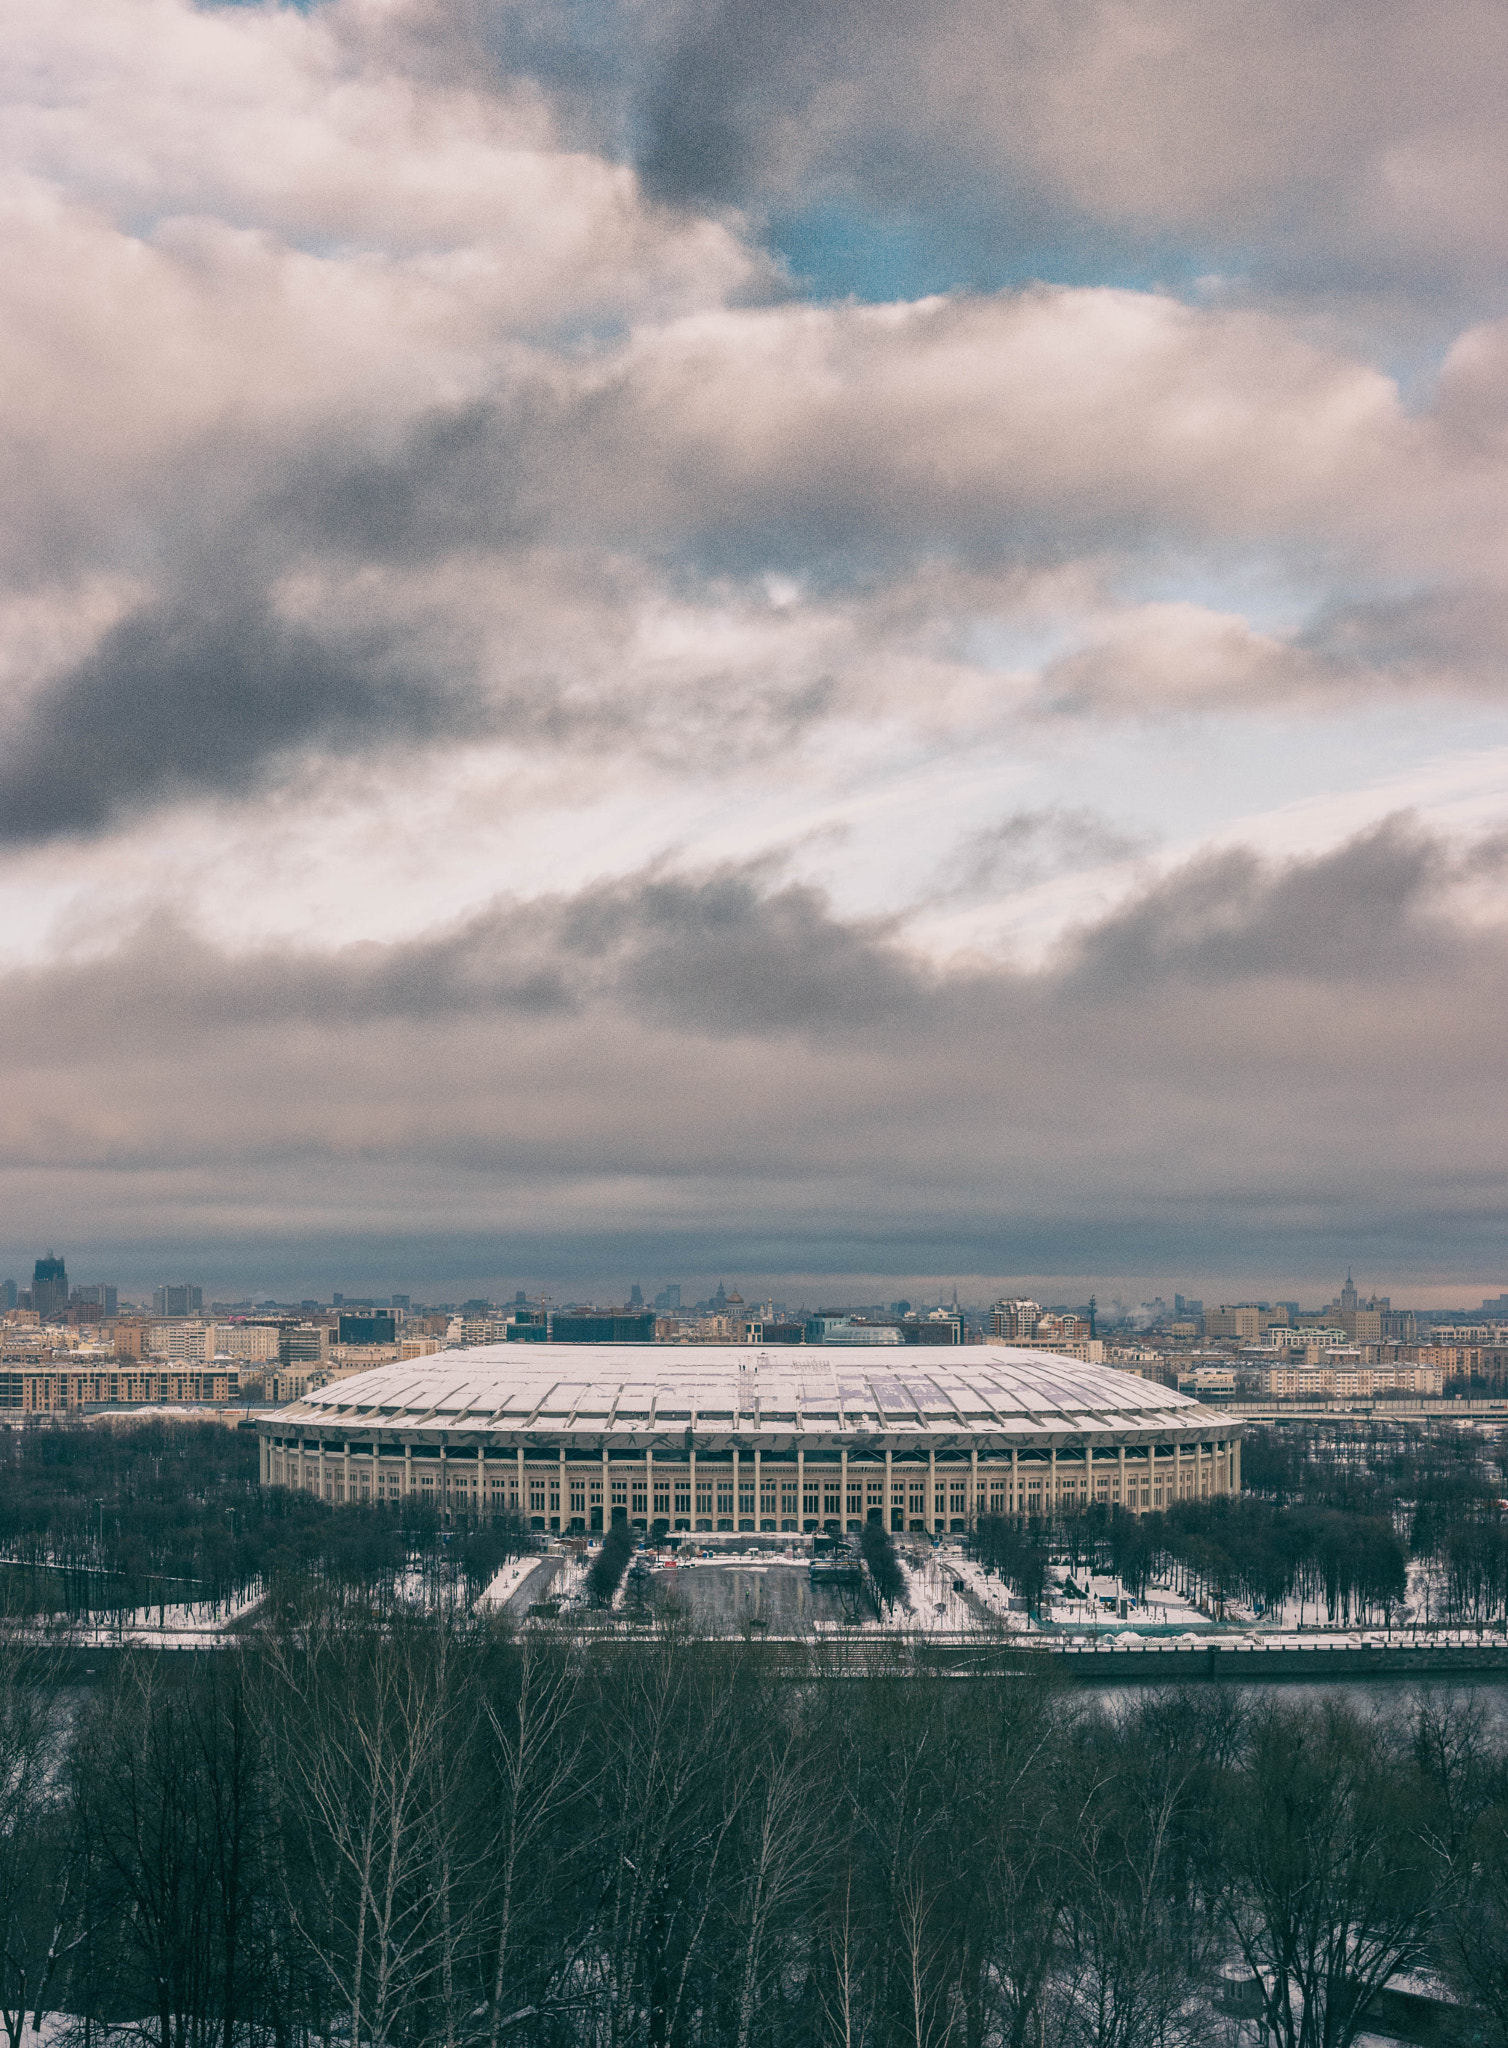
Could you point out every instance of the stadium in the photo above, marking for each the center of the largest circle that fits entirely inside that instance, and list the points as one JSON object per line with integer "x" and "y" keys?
{"x": 572, "y": 1437}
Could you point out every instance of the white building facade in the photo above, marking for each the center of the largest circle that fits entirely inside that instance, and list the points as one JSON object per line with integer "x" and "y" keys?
{"x": 573, "y": 1437}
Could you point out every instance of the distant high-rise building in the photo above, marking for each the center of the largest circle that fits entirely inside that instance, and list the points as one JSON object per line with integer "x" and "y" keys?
{"x": 669, "y": 1296}
{"x": 49, "y": 1287}
{"x": 97, "y": 1294}
{"x": 399, "y": 1301}
{"x": 182, "y": 1300}
{"x": 1348, "y": 1294}
{"x": 337, "y": 1301}
{"x": 1014, "y": 1319}
{"x": 636, "y": 1296}
{"x": 7, "y": 1293}
{"x": 1188, "y": 1305}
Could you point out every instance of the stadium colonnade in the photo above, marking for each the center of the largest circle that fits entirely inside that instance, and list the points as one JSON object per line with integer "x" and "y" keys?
{"x": 727, "y": 1439}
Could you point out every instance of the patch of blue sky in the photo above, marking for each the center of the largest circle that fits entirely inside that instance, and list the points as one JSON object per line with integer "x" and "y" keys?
{"x": 840, "y": 249}
{"x": 1273, "y": 597}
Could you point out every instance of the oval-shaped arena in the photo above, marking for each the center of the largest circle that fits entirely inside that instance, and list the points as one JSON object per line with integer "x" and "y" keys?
{"x": 575, "y": 1436}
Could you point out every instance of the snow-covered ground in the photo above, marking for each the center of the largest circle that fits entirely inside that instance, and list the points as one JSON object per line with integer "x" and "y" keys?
{"x": 932, "y": 1580}
{"x": 500, "y": 1589}
{"x": 183, "y": 1627}
{"x": 991, "y": 1593}
{"x": 567, "y": 1589}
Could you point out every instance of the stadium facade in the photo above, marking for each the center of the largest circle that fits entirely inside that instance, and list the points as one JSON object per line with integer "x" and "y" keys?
{"x": 728, "y": 1439}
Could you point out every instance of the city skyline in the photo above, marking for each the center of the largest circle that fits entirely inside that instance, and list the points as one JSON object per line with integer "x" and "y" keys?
{"x": 813, "y": 1290}
{"x": 862, "y": 644}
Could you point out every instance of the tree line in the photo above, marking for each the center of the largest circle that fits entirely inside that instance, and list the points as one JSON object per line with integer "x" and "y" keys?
{"x": 417, "y": 1830}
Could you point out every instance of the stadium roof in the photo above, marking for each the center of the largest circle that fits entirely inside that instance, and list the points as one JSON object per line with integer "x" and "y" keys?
{"x": 636, "y": 1393}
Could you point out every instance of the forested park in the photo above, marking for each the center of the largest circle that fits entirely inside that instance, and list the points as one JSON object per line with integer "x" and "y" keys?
{"x": 107, "y": 1519}
{"x": 1331, "y": 1517}
{"x": 1338, "y": 1522}
{"x": 416, "y": 1830}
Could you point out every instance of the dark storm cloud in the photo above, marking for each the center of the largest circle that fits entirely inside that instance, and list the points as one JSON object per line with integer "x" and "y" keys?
{"x": 177, "y": 701}
{"x": 1245, "y": 1057}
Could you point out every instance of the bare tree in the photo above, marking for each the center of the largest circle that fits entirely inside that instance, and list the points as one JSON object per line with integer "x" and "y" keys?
{"x": 363, "y": 1714}
{"x": 1128, "y": 1977}
{"x": 777, "y": 1865}
{"x": 537, "y": 1742}
{"x": 40, "y": 1881}
{"x": 1328, "y": 1880}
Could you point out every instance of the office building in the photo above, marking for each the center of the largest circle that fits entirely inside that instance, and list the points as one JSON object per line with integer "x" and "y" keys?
{"x": 49, "y": 1287}
{"x": 182, "y": 1300}
{"x": 367, "y": 1326}
{"x": 576, "y": 1326}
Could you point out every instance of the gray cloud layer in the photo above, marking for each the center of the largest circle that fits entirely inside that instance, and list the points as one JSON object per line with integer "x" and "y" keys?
{"x": 1283, "y": 1059}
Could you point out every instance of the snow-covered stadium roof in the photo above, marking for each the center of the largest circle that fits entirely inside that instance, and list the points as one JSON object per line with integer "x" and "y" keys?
{"x": 592, "y": 1393}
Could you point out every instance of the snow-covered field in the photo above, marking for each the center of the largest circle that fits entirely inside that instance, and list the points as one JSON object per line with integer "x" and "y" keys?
{"x": 183, "y": 1627}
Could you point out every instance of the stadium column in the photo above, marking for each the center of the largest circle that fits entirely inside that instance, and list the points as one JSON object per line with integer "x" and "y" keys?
{"x": 481, "y": 1482}
{"x": 345, "y": 1467}
{"x": 758, "y": 1489}
{"x": 931, "y": 1523}
{"x": 319, "y": 1476}
{"x": 264, "y": 1454}
{"x": 691, "y": 1461}
{"x": 888, "y": 1518}
{"x": 523, "y": 1498}
{"x": 564, "y": 1516}
{"x": 1015, "y": 1480}
{"x": 843, "y": 1489}
{"x": 800, "y": 1486}
{"x": 408, "y": 1470}
{"x": 974, "y": 1486}
{"x": 1052, "y": 1481}
{"x": 1122, "y": 1482}
{"x": 1235, "y": 1466}
{"x": 607, "y": 1505}
{"x": 441, "y": 1482}
{"x": 735, "y": 1487}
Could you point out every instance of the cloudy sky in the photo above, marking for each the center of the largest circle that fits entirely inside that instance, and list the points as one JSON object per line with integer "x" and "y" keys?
{"x": 845, "y": 646}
